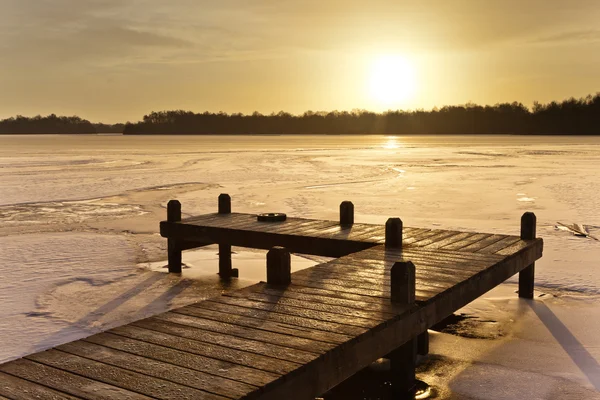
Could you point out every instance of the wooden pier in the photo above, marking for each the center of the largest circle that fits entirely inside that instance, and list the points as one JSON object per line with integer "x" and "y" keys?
{"x": 297, "y": 335}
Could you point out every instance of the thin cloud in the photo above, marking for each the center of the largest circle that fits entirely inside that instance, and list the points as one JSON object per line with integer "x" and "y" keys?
{"x": 584, "y": 36}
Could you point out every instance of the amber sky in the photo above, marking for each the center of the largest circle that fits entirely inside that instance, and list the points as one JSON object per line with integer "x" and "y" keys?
{"x": 115, "y": 60}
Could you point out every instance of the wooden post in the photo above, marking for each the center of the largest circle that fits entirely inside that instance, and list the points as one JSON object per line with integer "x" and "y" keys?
{"x": 173, "y": 248}
{"x": 346, "y": 213}
{"x": 279, "y": 266}
{"x": 403, "y": 359}
{"x": 527, "y": 275}
{"x": 393, "y": 233}
{"x": 224, "y": 203}
{"x": 423, "y": 343}
{"x": 225, "y": 270}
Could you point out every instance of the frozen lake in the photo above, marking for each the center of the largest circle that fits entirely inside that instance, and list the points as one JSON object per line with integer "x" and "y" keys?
{"x": 79, "y": 250}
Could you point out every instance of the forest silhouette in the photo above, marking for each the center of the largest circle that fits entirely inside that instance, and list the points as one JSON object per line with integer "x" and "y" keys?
{"x": 571, "y": 116}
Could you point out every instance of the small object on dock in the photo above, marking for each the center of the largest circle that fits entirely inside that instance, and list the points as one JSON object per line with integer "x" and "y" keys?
{"x": 271, "y": 217}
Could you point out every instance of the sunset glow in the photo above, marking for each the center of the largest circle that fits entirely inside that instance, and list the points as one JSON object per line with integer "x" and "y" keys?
{"x": 392, "y": 81}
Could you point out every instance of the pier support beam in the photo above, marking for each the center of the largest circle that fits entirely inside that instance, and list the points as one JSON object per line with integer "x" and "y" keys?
{"x": 225, "y": 268}
{"x": 279, "y": 271}
{"x": 403, "y": 359}
{"x": 527, "y": 275}
{"x": 393, "y": 233}
{"x": 346, "y": 213}
{"x": 173, "y": 247}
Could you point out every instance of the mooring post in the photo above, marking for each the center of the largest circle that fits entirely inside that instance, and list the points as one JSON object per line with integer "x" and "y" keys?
{"x": 403, "y": 359}
{"x": 393, "y": 233}
{"x": 225, "y": 269}
{"x": 423, "y": 343}
{"x": 346, "y": 213}
{"x": 173, "y": 248}
{"x": 224, "y": 203}
{"x": 527, "y": 275}
{"x": 279, "y": 270}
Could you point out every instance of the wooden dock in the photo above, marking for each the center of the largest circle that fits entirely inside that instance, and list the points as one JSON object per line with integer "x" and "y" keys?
{"x": 297, "y": 335}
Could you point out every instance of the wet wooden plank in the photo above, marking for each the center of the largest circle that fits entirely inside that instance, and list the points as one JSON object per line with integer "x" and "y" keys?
{"x": 467, "y": 242}
{"x": 300, "y": 321}
{"x": 434, "y": 238}
{"x": 474, "y": 247}
{"x": 347, "y": 308}
{"x": 208, "y": 350}
{"x": 67, "y": 382}
{"x": 378, "y": 275}
{"x": 119, "y": 377}
{"x": 517, "y": 246}
{"x": 312, "y": 346}
{"x": 421, "y": 294}
{"x": 379, "y": 285}
{"x": 299, "y": 310}
{"x": 225, "y": 369}
{"x": 20, "y": 389}
{"x": 499, "y": 245}
{"x": 264, "y": 324}
{"x": 158, "y": 369}
{"x": 310, "y": 297}
{"x": 448, "y": 240}
{"x": 249, "y": 345}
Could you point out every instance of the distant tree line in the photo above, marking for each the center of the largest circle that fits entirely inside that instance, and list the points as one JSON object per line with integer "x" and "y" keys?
{"x": 572, "y": 116}
{"x": 54, "y": 124}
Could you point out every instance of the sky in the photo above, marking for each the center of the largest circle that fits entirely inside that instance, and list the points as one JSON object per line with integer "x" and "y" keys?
{"x": 116, "y": 60}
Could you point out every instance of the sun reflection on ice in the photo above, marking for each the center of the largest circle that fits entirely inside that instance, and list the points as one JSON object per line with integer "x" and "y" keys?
{"x": 392, "y": 143}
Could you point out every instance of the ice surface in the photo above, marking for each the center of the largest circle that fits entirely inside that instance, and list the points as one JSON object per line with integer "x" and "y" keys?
{"x": 79, "y": 216}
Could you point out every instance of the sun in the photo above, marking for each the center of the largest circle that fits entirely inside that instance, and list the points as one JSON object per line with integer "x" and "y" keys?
{"x": 392, "y": 81}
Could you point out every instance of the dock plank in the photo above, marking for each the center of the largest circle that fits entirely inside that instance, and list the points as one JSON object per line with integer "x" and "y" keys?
{"x": 119, "y": 377}
{"x": 265, "y": 324}
{"x": 73, "y": 384}
{"x": 295, "y": 320}
{"x": 158, "y": 369}
{"x": 294, "y": 342}
{"x": 184, "y": 359}
{"x": 249, "y": 345}
{"x": 208, "y": 350}
{"x": 20, "y": 389}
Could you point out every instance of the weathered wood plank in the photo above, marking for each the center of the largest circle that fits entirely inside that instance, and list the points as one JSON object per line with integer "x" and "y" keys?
{"x": 208, "y": 350}
{"x": 499, "y": 245}
{"x": 422, "y": 294}
{"x": 312, "y": 346}
{"x": 20, "y": 389}
{"x": 320, "y": 297}
{"x": 467, "y": 242}
{"x": 264, "y": 324}
{"x": 119, "y": 377}
{"x": 252, "y": 346}
{"x": 313, "y": 303}
{"x": 474, "y": 247}
{"x": 433, "y": 238}
{"x": 184, "y": 359}
{"x": 304, "y": 322}
{"x": 158, "y": 369}
{"x": 300, "y": 311}
{"x": 516, "y": 247}
{"x": 70, "y": 383}
{"x": 448, "y": 240}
